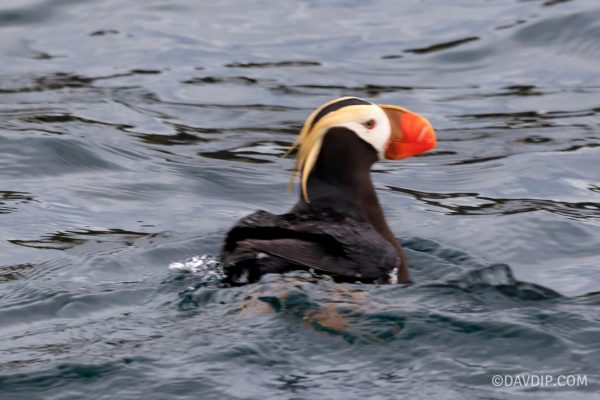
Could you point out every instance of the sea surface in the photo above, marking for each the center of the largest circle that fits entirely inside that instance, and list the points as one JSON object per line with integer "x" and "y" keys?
{"x": 133, "y": 134}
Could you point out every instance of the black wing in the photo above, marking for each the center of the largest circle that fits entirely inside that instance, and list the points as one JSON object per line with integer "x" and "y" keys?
{"x": 348, "y": 250}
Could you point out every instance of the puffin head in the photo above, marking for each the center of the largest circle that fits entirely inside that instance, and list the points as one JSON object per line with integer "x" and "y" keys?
{"x": 393, "y": 132}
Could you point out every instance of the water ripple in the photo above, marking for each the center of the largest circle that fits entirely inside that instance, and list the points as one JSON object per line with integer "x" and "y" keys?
{"x": 482, "y": 205}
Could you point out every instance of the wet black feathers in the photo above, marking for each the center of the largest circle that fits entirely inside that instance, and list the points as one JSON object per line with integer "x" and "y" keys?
{"x": 347, "y": 249}
{"x": 341, "y": 232}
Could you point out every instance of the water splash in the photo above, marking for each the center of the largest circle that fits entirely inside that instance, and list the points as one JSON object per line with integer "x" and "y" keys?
{"x": 394, "y": 276}
{"x": 205, "y": 266}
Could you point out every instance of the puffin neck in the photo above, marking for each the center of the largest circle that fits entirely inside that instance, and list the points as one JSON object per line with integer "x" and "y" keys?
{"x": 341, "y": 182}
{"x": 341, "y": 177}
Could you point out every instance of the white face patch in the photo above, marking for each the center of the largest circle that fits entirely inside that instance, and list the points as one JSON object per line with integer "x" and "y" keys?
{"x": 377, "y": 135}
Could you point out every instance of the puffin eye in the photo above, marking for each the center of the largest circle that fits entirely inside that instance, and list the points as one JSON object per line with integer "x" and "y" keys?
{"x": 370, "y": 124}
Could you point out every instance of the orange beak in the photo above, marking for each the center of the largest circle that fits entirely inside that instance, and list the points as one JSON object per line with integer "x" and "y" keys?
{"x": 411, "y": 134}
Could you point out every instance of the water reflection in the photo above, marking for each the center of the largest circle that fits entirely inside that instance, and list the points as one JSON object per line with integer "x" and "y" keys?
{"x": 483, "y": 205}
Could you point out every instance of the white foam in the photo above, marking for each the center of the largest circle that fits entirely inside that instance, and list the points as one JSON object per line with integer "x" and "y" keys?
{"x": 394, "y": 276}
{"x": 205, "y": 265}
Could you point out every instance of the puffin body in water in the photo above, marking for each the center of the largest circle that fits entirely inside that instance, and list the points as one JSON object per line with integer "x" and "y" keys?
{"x": 337, "y": 227}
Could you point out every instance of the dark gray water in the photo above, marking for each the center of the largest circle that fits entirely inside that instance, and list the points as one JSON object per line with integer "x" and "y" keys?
{"x": 133, "y": 134}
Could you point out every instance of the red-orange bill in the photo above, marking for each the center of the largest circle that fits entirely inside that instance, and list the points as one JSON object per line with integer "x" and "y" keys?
{"x": 411, "y": 134}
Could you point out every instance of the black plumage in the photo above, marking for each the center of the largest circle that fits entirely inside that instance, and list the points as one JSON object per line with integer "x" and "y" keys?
{"x": 341, "y": 232}
{"x": 327, "y": 242}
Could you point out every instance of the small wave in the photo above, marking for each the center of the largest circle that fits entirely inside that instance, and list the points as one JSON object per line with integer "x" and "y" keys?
{"x": 501, "y": 277}
{"x": 276, "y": 64}
{"x": 65, "y": 240}
{"x": 103, "y": 32}
{"x": 8, "y": 196}
{"x": 66, "y": 374}
{"x": 476, "y": 204}
{"x": 369, "y": 90}
{"x": 61, "y": 80}
{"x": 258, "y": 152}
{"x": 441, "y": 46}
{"x": 578, "y": 34}
{"x": 22, "y": 158}
{"x": 236, "y": 80}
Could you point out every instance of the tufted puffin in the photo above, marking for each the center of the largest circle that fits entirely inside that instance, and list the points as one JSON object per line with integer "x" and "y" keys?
{"x": 337, "y": 227}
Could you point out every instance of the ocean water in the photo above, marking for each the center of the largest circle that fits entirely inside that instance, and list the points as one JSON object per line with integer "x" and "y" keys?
{"x": 133, "y": 134}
